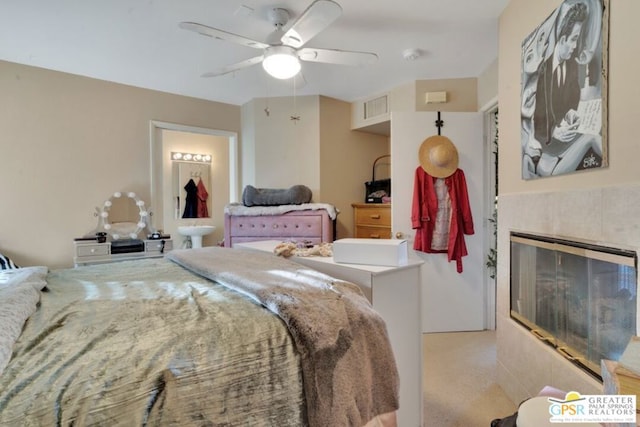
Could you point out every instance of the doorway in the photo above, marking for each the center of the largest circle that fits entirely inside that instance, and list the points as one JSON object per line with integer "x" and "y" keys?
{"x": 491, "y": 184}
{"x": 163, "y": 137}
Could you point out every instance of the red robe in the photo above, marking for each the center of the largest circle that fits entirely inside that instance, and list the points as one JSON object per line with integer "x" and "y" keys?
{"x": 425, "y": 208}
{"x": 203, "y": 211}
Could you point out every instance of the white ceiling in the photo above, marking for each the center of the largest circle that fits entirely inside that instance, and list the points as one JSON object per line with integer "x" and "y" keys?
{"x": 138, "y": 42}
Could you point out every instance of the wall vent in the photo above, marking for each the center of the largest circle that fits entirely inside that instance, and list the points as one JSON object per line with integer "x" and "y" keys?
{"x": 376, "y": 107}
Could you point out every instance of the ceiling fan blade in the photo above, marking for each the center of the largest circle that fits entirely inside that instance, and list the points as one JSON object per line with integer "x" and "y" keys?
{"x": 318, "y": 16}
{"x": 234, "y": 67}
{"x": 222, "y": 35}
{"x": 335, "y": 56}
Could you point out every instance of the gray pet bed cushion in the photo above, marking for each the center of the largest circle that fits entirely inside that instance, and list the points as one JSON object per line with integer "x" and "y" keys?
{"x": 295, "y": 195}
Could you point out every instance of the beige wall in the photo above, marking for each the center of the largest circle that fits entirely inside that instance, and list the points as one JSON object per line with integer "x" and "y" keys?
{"x": 67, "y": 144}
{"x": 598, "y": 205}
{"x": 462, "y": 94}
{"x": 346, "y": 161}
{"x": 280, "y": 151}
{"x": 488, "y": 86}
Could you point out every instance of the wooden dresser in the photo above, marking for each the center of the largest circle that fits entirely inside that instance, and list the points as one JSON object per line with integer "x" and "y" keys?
{"x": 372, "y": 220}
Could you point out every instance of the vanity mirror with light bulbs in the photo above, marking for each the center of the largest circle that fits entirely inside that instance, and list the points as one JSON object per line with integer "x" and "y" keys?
{"x": 124, "y": 232}
{"x": 191, "y": 181}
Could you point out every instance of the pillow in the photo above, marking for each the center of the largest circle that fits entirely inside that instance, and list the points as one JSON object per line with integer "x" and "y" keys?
{"x": 6, "y": 263}
{"x": 17, "y": 303}
{"x": 295, "y": 195}
{"x": 19, "y": 297}
{"x": 35, "y": 276}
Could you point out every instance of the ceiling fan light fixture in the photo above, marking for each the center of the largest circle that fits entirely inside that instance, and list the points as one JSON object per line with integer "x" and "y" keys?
{"x": 281, "y": 62}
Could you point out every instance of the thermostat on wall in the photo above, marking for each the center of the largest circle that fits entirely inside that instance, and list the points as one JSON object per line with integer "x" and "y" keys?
{"x": 435, "y": 97}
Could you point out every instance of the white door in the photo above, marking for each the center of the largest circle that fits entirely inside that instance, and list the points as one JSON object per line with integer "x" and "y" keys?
{"x": 451, "y": 301}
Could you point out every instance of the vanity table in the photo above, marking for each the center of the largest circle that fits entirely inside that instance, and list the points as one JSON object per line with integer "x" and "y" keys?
{"x": 92, "y": 252}
{"x": 394, "y": 292}
{"x": 122, "y": 234}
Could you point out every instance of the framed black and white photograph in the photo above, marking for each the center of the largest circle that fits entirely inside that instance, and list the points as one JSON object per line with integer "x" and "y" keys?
{"x": 564, "y": 91}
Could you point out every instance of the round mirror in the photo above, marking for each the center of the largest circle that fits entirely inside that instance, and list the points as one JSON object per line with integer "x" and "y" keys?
{"x": 123, "y": 216}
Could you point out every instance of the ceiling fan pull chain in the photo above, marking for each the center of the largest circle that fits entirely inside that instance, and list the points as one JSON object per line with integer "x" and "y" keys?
{"x": 266, "y": 103}
{"x": 295, "y": 118}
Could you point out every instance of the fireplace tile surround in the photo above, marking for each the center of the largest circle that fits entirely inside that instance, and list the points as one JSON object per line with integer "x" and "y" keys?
{"x": 578, "y": 297}
{"x": 607, "y": 215}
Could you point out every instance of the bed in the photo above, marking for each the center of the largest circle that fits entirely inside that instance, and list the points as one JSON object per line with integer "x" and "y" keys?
{"x": 212, "y": 336}
{"x": 310, "y": 223}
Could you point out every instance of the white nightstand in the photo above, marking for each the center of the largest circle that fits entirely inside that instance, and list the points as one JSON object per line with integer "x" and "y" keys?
{"x": 394, "y": 292}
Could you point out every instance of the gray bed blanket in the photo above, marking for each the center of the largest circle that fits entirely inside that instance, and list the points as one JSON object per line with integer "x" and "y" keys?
{"x": 348, "y": 368}
{"x": 148, "y": 343}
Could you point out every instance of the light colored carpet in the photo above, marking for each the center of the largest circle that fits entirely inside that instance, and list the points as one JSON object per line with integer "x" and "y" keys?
{"x": 459, "y": 380}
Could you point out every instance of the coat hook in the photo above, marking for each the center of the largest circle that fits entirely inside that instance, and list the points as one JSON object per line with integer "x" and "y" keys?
{"x": 439, "y": 123}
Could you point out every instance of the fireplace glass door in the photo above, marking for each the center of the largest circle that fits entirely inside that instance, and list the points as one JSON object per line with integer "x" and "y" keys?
{"x": 579, "y": 298}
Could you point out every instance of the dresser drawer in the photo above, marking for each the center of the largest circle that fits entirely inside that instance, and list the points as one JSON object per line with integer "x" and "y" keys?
{"x": 313, "y": 225}
{"x": 158, "y": 246}
{"x": 368, "y": 232}
{"x": 372, "y": 220}
{"x": 93, "y": 249}
{"x": 276, "y": 226}
{"x": 373, "y": 216}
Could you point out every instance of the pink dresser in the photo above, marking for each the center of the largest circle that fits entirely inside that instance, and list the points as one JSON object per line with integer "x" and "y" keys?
{"x": 314, "y": 226}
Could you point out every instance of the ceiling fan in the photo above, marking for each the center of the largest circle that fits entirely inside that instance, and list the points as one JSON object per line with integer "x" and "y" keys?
{"x": 282, "y": 51}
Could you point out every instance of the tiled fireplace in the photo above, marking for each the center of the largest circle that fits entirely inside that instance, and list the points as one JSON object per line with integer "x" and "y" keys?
{"x": 604, "y": 217}
{"x": 580, "y": 298}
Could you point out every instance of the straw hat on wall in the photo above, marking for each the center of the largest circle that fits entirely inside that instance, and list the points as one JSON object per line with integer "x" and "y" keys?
{"x": 438, "y": 156}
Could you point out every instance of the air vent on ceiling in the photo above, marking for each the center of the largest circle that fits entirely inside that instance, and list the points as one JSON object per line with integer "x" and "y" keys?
{"x": 376, "y": 107}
